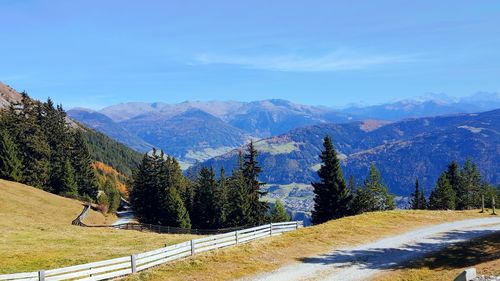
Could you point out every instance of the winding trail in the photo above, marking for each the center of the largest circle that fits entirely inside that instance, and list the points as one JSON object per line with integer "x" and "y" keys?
{"x": 125, "y": 216}
{"x": 364, "y": 261}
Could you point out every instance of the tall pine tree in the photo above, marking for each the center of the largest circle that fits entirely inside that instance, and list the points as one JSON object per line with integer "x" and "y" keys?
{"x": 85, "y": 176}
{"x": 251, "y": 172}
{"x": 221, "y": 201}
{"x": 417, "y": 201}
{"x": 33, "y": 142}
{"x": 332, "y": 197}
{"x": 239, "y": 203}
{"x": 471, "y": 183}
{"x": 455, "y": 181}
{"x": 204, "y": 209}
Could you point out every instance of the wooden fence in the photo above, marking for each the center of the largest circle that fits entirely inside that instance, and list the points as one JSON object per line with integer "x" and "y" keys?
{"x": 131, "y": 264}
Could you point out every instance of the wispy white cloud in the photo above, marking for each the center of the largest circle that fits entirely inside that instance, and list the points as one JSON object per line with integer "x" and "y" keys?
{"x": 333, "y": 61}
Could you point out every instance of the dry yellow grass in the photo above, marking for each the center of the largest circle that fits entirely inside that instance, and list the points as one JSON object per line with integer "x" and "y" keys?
{"x": 482, "y": 253}
{"x": 36, "y": 232}
{"x": 268, "y": 254}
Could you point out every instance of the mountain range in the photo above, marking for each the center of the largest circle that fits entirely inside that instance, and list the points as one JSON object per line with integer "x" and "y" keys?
{"x": 403, "y": 151}
{"x": 195, "y": 131}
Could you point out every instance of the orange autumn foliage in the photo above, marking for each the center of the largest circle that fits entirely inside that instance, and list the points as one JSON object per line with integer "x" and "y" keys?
{"x": 105, "y": 172}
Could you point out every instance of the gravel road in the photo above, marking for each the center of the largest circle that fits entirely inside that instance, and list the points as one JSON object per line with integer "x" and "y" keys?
{"x": 362, "y": 262}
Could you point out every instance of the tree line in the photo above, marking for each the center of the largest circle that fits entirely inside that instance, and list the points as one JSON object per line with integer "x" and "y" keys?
{"x": 161, "y": 194}
{"x": 38, "y": 147}
{"x": 457, "y": 188}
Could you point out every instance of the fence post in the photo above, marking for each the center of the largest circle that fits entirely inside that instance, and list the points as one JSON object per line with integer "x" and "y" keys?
{"x": 236, "y": 233}
{"x": 133, "y": 263}
{"x": 192, "y": 247}
{"x": 271, "y": 229}
{"x": 41, "y": 275}
{"x": 296, "y": 224}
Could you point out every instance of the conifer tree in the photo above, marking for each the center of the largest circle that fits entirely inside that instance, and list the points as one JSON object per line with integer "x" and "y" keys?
{"x": 278, "y": 213}
{"x": 239, "y": 203}
{"x": 383, "y": 200}
{"x": 251, "y": 172}
{"x": 53, "y": 122}
{"x": 10, "y": 164}
{"x": 67, "y": 181}
{"x": 33, "y": 143}
{"x": 168, "y": 183}
{"x": 443, "y": 196}
{"x": 175, "y": 213}
{"x": 221, "y": 201}
{"x": 85, "y": 175}
{"x": 417, "y": 201}
{"x": 471, "y": 183}
{"x": 144, "y": 192}
{"x": 204, "y": 209}
{"x": 423, "y": 201}
{"x": 332, "y": 197}
{"x": 112, "y": 195}
{"x": 455, "y": 180}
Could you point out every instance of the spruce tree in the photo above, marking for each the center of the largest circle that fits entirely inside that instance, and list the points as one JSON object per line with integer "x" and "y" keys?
{"x": 221, "y": 201}
{"x": 332, "y": 197}
{"x": 85, "y": 175}
{"x": 363, "y": 201}
{"x": 417, "y": 201}
{"x": 144, "y": 192}
{"x": 382, "y": 199}
{"x": 112, "y": 194}
{"x": 33, "y": 143}
{"x": 443, "y": 196}
{"x": 175, "y": 213}
{"x": 204, "y": 209}
{"x": 278, "y": 213}
{"x": 10, "y": 164}
{"x": 455, "y": 180}
{"x": 169, "y": 183}
{"x": 251, "y": 172}
{"x": 239, "y": 203}
{"x": 471, "y": 184}
{"x": 67, "y": 180}
{"x": 423, "y": 201}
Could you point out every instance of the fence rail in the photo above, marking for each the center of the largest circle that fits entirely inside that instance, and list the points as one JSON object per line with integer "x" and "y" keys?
{"x": 113, "y": 268}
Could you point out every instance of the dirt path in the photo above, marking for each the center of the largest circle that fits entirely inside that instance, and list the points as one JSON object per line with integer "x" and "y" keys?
{"x": 362, "y": 262}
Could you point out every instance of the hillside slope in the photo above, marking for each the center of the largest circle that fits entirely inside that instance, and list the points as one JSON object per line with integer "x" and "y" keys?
{"x": 36, "y": 232}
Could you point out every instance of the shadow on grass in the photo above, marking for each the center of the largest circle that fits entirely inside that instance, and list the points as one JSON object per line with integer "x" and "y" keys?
{"x": 431, "y": 253}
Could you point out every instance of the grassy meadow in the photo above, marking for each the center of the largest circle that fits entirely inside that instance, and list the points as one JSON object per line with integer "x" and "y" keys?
{"x": 36, "y": 232}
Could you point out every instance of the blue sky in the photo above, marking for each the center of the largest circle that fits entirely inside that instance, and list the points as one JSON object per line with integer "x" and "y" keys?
{"x": 97, "y": 53}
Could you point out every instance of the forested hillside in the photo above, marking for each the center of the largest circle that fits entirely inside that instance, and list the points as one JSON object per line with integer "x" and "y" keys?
{"x": 105, "y": 150}
{"x": 40, "y": 146}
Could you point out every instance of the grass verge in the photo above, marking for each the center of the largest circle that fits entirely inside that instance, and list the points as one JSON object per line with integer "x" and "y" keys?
{"x": 36, "y": 232}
